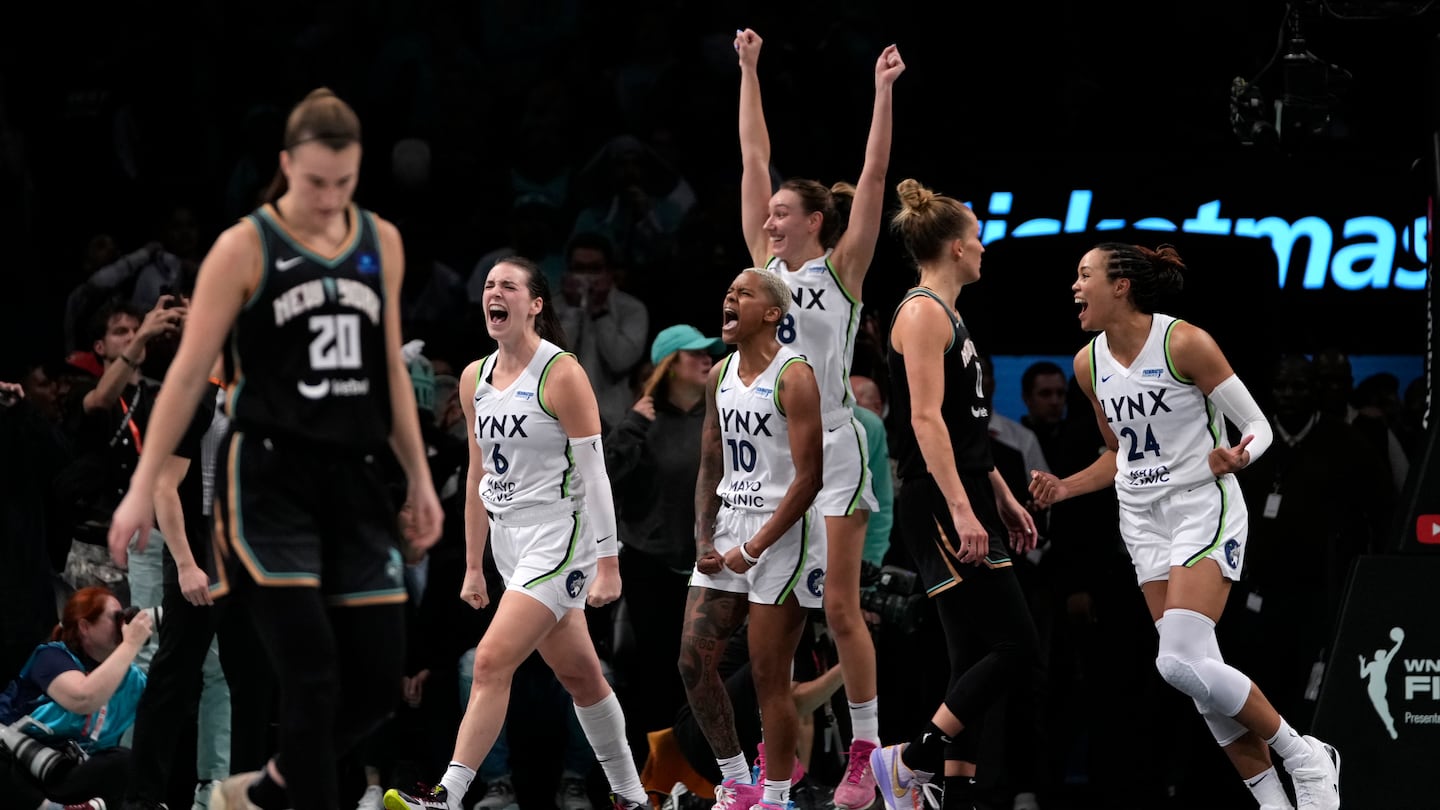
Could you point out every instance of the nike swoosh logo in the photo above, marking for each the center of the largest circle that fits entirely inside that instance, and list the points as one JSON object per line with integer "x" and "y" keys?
{"x": 1106, "y": 378}
{"x": 895, "y": 788}
{"x": 319, "y": 390}
{"x": 1262, "y": 778}
{"x": 285, "y": 264}
{"x": 723, "y": 390}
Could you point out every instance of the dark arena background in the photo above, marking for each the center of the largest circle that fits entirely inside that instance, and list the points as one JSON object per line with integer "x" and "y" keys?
{"x": 1288, "y": 149}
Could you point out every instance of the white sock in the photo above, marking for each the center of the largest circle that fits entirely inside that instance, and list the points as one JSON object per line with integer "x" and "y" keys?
{"x": 1266, "y": 788}
{"x": 1291, "y": 747}
{"x": 604, "y": 725}
{"x": 865, "y": 720}
{"x": 777, "y": 792}
{"x": 456, "y": 782}
{"x": 734, "y": 768}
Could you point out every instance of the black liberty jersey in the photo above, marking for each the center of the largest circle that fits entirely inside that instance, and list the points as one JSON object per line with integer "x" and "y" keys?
{"x": 307, "y": 352}
{"x": 964, "y": 408}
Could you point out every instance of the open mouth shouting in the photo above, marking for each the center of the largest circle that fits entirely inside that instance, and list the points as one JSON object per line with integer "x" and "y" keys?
{"x": 729, "y": 320}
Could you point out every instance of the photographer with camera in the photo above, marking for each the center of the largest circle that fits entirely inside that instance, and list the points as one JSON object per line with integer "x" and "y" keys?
{"x": 62, "y": 718}
{"x": 892, "y": 595}
{"x": 108, "y": 420}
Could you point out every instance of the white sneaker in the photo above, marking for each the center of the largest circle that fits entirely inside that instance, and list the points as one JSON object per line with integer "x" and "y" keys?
{"x": 901, "y": 788}
{"x": 499, "y": 795}
{"x": 372, "y": 798}
{"x": 1317, "y": 782}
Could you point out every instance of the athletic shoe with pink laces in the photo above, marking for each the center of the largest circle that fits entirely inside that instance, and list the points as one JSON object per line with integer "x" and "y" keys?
{"x": 732, "y": 794}
{"x": 797, "y": 770}
{"x": 857, "y": 790}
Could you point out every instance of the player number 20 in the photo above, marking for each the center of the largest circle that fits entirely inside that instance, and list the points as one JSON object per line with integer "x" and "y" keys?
{"x": 336, "y": 343}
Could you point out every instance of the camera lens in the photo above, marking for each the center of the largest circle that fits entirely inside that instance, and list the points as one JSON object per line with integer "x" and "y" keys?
{"x": 42, "y": 761}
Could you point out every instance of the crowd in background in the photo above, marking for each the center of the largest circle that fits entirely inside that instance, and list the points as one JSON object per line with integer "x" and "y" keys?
{"x": 609, "y": 182}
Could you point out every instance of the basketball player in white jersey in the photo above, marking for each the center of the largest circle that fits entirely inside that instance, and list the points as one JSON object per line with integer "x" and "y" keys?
{"x": 539, "y": 493}
{"x": 798, "y": 233}
{"x": 1159, "y": 387}
{"x": 759, "y": 539}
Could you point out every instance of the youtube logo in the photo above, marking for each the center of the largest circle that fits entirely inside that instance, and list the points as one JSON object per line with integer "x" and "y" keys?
{"x": 1427, "y": 529}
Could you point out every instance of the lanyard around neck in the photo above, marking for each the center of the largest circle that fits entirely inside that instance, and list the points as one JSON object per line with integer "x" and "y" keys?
{"x": 126, "y": 408}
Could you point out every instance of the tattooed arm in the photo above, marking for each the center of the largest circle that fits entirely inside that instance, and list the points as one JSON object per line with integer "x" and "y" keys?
{"x": 799, "y": 396}
{"x": 707, "y": 503}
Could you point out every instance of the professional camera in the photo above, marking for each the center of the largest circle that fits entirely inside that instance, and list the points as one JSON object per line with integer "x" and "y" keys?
{"x": 892, "y": 593}
{"x": 42, "y": 761}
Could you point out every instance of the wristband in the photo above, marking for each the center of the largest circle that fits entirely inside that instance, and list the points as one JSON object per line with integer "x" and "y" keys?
{"x": 745, "y": 554}
{"x": 128, "y": 361}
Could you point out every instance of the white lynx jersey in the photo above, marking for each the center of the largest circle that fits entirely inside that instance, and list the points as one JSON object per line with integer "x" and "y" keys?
{"x": 527, "y": 453}
{"x": 821, "y": 326}
{"x": 754, "y": 435}
{"x": 1165, "y": 426}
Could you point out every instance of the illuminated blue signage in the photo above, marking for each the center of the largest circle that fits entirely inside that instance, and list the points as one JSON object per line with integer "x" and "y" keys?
{"x": 1368, "y": 256}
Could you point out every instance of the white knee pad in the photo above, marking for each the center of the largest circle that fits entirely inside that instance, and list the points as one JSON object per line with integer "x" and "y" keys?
{"x": 1225, "y": 730}
{"x": 1185, "y": 662}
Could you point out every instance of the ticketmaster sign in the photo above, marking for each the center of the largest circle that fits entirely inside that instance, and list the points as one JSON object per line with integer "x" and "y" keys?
{"x": 1311, "y": 252}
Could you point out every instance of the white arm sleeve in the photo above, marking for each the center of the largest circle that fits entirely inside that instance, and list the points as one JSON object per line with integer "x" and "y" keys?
{"x": 1234, "y": 400}
{"x": 589, "y": 458}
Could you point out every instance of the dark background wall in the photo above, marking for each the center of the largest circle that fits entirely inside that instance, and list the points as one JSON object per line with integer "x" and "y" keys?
{"x": 113, "y": 113}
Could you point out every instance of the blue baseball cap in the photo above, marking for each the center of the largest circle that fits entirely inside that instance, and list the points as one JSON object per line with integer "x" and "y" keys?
{"x": 683, "y": 337}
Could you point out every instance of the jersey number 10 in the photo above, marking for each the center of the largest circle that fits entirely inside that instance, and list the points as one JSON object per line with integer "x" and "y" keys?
{"x": 742, "y": 455}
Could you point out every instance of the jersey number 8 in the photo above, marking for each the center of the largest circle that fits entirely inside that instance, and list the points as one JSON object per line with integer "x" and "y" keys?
{"x": 785, "y": 332}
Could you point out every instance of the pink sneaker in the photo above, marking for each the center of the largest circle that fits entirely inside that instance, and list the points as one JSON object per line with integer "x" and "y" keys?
{"x": 732, "y": 794}
{"x": 797, "y": 770}
{"x": 857, "y": 790}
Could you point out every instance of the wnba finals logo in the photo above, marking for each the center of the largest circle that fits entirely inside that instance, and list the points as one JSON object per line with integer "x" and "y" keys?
{"x": 1374, "y": 672}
